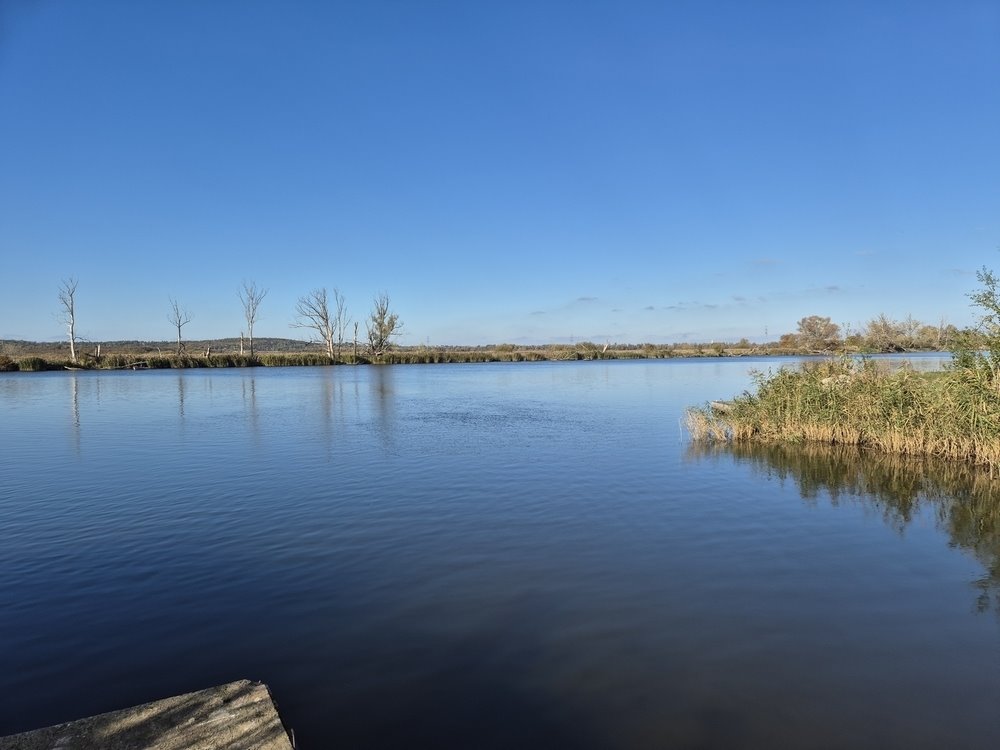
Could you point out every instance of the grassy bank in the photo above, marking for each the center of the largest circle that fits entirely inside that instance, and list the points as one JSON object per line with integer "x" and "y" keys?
{"x": 953, "y": 414}
{"x": 29, "y": 357}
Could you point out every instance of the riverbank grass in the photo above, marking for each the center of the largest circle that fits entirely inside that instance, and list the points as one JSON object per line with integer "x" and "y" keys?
{"x": 953, "y": 414}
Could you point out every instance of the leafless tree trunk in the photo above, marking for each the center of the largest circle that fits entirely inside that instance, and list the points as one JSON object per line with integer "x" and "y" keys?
{"x": 313, "y": 311}
{"x": 67, "y": 294}
{"x": 340, "y": 319}
{"x": 178, "y": 318}
{"x": 251, "y": 298}
{"x": 383, "y": 325}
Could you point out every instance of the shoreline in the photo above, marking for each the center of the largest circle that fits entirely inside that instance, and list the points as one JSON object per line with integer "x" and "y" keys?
{"x": 156, "y": 359}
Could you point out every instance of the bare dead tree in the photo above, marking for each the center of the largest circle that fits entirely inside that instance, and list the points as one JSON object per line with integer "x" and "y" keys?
{"x": 67, "y": 298}
{"x": 340, "y": 319}
{"x": 313, "y": 311}
{"x": 178, "y": 318}
{"x": 383, "y": 325}
{"x": 250, "y": 296}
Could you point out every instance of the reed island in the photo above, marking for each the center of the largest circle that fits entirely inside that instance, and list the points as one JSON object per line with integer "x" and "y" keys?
{"x": 954, "y": 414}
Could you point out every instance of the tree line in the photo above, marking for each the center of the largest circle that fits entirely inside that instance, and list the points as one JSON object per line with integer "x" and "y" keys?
{"x": 326, "y": 316}
{"x": 880, "y": 334}
{"x": 317, "y": 311}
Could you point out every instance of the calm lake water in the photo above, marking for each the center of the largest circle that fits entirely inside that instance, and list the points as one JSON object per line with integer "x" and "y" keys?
{"x": 505, "y": 555}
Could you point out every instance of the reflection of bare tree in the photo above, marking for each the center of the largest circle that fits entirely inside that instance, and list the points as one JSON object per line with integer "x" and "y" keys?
{"x": 384, "y": 395}
{"x": 965, "y": 500}
{"x": 180, "y": 394}
{"x": 250, "y": 400}
{"x": 383, "y": 386}
{"x": 328, "y": 407}
{"x": 74, "y": 390}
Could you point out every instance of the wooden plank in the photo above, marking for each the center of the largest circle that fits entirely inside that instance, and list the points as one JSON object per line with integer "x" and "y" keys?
{"x": 237, "y": 715}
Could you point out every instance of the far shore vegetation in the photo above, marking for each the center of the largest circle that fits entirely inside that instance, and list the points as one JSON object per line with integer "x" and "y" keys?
{"x": 338, "y": 339}
{"x": 953, "y": 414}
{"x": 29, "y": 356}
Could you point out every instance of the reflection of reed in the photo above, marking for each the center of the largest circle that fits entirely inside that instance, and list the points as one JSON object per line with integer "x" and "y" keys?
{"x": 965, "y": 500}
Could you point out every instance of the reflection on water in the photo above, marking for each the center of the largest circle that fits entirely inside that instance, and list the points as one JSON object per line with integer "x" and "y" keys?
{"x": 484, "y": 555}
{"x": 82, "y": 388}
{"x": 383, "y": 403}
{"x": 249, "y": 388}
{"x": 74, "y": 389}
{"x": 964, "y": 499}
{"x": 181, "y": 389}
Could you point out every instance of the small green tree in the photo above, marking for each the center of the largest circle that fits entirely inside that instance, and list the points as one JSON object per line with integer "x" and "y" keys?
{"x": 969, "y": 351}
{"x": 883, "y": 334}
{"x": 817, "y": 332}
{"x": 383, "y": 325}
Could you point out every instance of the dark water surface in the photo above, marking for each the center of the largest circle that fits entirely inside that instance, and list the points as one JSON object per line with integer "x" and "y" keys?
{"x": 509, "y": 555}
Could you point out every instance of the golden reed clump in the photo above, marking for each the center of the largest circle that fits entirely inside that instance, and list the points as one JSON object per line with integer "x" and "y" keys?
{"x": 953, "y": 414}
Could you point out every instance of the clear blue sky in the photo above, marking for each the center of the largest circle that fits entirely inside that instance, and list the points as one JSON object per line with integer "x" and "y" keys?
{"x": 507, "y": 171}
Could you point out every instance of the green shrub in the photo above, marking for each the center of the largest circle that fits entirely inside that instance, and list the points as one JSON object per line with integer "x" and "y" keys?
{"x": 32, "y": 364}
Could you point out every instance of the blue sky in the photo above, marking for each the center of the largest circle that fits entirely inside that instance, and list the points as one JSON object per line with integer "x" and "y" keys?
{"x": 506, "y": 171}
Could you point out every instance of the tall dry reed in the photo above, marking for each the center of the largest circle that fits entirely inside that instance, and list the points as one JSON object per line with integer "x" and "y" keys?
{"x": 954, "y": 414}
